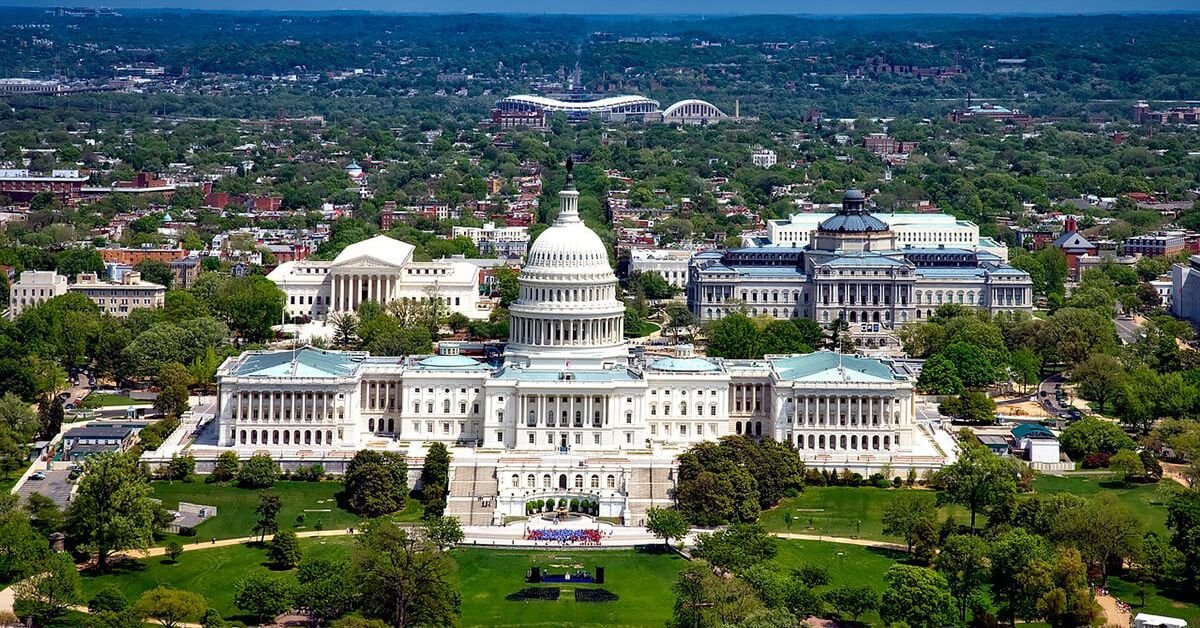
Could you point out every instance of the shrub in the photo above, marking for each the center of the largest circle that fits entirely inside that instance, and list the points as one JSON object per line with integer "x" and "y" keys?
{"x": 1096, "y": 460}
{"x": 300, "y": 519}
{"x": 187, "y": 531}
{"x": 173, "y": 550}
{"x": 260, "y": 471}
{"x": 109, "y": 599}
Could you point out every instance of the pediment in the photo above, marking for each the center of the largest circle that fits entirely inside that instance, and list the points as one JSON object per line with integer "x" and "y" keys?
{"x": 365, "y": 261}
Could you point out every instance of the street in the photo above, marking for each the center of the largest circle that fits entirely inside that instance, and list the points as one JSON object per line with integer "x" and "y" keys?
{"x": 1128, "y": 329}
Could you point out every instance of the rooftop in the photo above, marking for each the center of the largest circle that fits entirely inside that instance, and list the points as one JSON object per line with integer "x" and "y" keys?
{"x": 306, "y": 362}
{"x": 827, "y": 366}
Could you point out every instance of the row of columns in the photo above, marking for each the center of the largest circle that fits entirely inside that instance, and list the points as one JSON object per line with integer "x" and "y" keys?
{"x": 552, "y": 411}
{"x": 855, "y": 410}
{"x": 275, "y": 406}
{"x": 567, "y": 332}
{"x": 351, "y": 289}
{"x": 380, "y": 395}
{"x": 748, "y": 398}
{"x": 1008, "y": 296}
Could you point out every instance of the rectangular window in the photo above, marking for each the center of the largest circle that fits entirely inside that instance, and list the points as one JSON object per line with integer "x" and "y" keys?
{"x": 531, "y": 439}
{"x": 595, "y": 439}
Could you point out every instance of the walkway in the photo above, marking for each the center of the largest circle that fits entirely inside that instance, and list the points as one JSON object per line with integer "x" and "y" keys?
{"x": 1114, "y": 613}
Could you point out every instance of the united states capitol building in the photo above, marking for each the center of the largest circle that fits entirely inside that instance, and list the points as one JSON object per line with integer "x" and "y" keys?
{"x": 569, "y": 411}
{"x": 874, "y": 272}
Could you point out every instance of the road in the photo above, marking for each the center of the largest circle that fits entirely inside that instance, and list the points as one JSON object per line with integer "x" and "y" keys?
{"x": 1128, "y": 329}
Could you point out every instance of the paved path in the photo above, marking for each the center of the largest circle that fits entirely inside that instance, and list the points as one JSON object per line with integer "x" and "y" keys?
{"x": 843, "y": 540}
{"x": 1114, "y": 615}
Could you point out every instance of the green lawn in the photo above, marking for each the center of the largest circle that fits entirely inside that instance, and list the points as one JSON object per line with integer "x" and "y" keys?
{"x": 837, "y": 510}
{"x": 106, "y": 400}
{"x": 1169, "y": 603}
{"x": 1147, "y": 501}
{"x": 642, "y": 580}
{"x": 211, "y": 573}
{"x": 486, "y": 576}
{"x": 849, "y": 565}
{"x": 235, "y": 507}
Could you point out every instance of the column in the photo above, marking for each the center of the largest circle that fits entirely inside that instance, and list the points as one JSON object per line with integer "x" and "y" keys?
{"x": 333, "y": 294}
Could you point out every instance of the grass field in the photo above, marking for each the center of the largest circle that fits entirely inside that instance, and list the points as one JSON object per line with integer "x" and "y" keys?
{"x": 108, "y": 400}
{"x": 837, "y": 510}
{"x": 642, "y": 580}
{"x": 235, "y": 507}
{"x": 1169, "y": 603}
{"x": 211, "y": 573}
{"x": 849, "y": 565}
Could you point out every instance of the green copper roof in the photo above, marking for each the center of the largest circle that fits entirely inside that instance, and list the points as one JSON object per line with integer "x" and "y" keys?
{"x": 684, "y": 365}
{"x": 448, "y": 361}
{"x": 306, "y": 362}
{"x": 827, "y": 366}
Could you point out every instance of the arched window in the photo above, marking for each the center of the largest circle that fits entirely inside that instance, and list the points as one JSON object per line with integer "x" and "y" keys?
{"x": 529, "y": 481}
{"x": 546, "y": 481}
{"x": 595, "y": 481}
{"x": 578, "y": 481}
{"x": 683, "y": 409}
{"x": 516, "y": 480}
{"x": 611, "y": 481}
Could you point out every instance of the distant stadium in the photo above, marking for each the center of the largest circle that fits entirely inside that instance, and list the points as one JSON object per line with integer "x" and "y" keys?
{"x": 531, "y": 110}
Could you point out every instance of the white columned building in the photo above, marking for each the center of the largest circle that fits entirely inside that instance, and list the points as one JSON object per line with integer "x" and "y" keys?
{"x": 568, "y": 412}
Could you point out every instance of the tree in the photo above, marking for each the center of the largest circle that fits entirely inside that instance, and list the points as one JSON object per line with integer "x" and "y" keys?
{"x": 109, "y": 599}
{"x": 22, "y": 548}
{"x": 970, "y": 407}
{"x": 403, "y": 579}
{"x": 1091, "y": 435}
{"x": 1099, "y": 377}
{"x": 249, "y": 306}
{"x": 917, "y": 596}
{"x": 44, "y": 514}
{"x": 326, "y": 590}
{"x": 174, "y": 550}
{"x": 260, "y": 471}
{"x": 181, "y": 467}
{"x": 737, "y": 547}
{"x": 375, "y": 483}
{"x": 906, "y": 511}
{"x": 227, "y": 467}
{"x": 963, "y": 561}
{"x": 978, "y": 480}
{"x": 54, "y": 586}
{"x": 666, "y": 524}
{"x": 443, "y": 532}
{"x": 1068, "y": 602}
{"x": 112, "y": 509}
{"x": 1183, "y": 519}
{"x": 173, "y": 381}
{"x": 854, "y": 600}
{"x": 1127, "y": 464}
{"x": 435, "y": 475}
{"x": 704, "y": 600}
{"x": 170, "y": 607}
{"x": 267, "y": 514}
{"x": 940, "y": 377}
{"x": 734, "y": 336}
{"x": 155, "y": 271}
{"x": 17, "y": 426}
{"x": 1107, "y": 530}
{"x": 263, "y": 596}
{"x": 782, "y": 337}
{"x": 285, "y": 550}
{"x": 1020, "y": 573}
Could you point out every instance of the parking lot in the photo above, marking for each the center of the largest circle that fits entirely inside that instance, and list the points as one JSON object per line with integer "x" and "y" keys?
{"x": 56, "y": 486}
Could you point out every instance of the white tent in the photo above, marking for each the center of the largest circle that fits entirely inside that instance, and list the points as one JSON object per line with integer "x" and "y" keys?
{"x": 1146, "y": 620}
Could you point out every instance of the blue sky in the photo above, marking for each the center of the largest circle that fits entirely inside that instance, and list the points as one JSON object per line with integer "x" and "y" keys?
{"x": 712, "y": 7}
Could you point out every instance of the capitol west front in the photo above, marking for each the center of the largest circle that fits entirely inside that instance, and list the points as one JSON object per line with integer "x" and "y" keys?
{"x": 568, "y": 413}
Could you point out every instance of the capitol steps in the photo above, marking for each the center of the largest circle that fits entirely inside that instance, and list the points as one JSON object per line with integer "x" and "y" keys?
{"x": 648, "y": 487}
{"x": 473, "y": 491}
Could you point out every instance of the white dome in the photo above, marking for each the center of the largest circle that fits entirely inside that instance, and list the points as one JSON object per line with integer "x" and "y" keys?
{"x": 568, "y": 247}
{"x": 568, "y": 310}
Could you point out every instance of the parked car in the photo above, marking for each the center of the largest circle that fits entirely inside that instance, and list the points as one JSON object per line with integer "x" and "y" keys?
{"x": 38, "y": 475}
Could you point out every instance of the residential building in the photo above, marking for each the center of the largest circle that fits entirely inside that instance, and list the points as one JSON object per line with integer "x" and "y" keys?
{"x": 1158, "y": 244}
{"x": 492, "y": 240}
{"x": 22, "y": 185}
{"x": 120, "y": 298}
{"x": 672, "y": 264}
{"x": 764, "y": 158}
{"x": 133, "y": 255}
{"x": 34, "y": 287}
{"x": 95, "y": 438}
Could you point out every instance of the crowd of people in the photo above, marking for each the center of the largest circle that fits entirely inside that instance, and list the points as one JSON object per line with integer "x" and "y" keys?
{"x": 566, "y": 536}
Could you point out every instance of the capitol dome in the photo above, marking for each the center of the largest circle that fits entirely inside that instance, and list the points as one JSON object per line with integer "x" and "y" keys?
{"x": 568, "y": 313}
